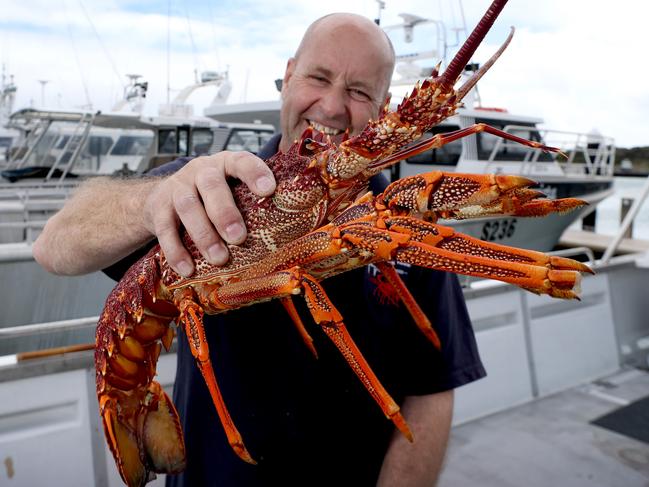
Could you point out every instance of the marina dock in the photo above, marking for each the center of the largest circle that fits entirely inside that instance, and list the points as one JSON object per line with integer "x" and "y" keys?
{"x": 599, "y": 243}
{"x": 553, "y": 441}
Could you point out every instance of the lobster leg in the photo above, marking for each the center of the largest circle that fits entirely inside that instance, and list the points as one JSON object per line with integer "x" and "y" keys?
{"x": 420, "y": 319}
{"x": 446, "y": 238}
{"x": 191, "y": 317}
{"x": 283, "y": 284}
{"x": 455, "y": 195}
{"x": 439, "y": 140}
{"x": 558, "y": 278}
{"x": 324, "y": 313}
{"x": 297, "y": 321}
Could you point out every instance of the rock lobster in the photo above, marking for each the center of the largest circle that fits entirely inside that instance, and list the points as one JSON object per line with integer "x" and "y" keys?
{"x": 319, "y": 222}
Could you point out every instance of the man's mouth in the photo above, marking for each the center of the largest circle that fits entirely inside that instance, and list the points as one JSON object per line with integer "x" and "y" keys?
{"x": 324, "y": 129}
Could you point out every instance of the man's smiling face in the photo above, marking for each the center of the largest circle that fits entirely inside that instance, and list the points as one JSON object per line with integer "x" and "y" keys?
{"x": 338, "y": 79}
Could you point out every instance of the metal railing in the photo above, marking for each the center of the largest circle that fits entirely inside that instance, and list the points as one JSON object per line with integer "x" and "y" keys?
{"x": 585, "y": 153}
{"x": 626, "y": 223}
{"x": 574, "y": 252}
{"x": 47, "y": 327}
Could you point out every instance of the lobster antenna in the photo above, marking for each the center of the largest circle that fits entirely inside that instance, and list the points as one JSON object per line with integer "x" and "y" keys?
{"x": 470, "y": 83}
{"x": 462, "y": 58}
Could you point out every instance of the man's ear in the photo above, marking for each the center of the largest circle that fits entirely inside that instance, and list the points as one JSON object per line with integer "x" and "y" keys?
{"x": 290, "y": 67}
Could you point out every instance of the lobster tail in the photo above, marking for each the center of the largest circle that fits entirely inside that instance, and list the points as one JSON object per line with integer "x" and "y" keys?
{"x": 463, "y": 56}
{"x": 149, "y": 441}
{"x": 140, "y": 422}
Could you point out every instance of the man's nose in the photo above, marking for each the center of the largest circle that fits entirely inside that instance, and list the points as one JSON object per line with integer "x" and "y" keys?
{"x": 333, "y": 104}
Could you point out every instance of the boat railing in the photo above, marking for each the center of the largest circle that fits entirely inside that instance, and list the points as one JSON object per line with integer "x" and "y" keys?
{"x": 25, "y": 231}
{"x": 24, "y": 212}
{"x": 576, "y": 252}
{"x": 12, "y": 338}
{"x": 41, "y": 136}
{"x": 626, "y": 223}
{"x": 582, "y": 153}
{"x": 48, "y": 327}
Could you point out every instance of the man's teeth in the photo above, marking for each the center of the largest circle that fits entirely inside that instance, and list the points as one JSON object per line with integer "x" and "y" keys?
{"x": 324, "y": 129}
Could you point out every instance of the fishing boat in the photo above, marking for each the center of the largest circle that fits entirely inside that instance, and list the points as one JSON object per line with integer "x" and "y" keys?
{"x": 58, "y": 148}
{"x": 7, "y": 98}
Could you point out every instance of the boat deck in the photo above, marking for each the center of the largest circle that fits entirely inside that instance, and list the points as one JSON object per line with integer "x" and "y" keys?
{"x": 551, "y": 441}
{"x": 599, "y": 243}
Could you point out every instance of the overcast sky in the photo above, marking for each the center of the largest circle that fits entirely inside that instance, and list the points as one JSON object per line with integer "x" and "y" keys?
{"x": 578, "y": 64}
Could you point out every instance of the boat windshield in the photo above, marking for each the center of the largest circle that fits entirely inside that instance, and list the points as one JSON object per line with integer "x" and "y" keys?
{"x": 202, "y": 141}
{"x": 247, "y": 140}
{"x": 5, "y": 142}
{"x": 508, "y": 150}
{"x": 447, "y": 155}
{"x": 132, "y": 145}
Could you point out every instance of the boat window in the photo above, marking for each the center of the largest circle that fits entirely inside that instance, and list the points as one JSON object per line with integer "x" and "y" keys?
{"x": 509, "y": 150}
{"x": 247, "y": 140}
{"x": 201, "y": 141}
{"x": 183, "y": 140}
{"x": 60, "y": 143}
{"x": 98, "y": 145}
{"x": 447, "y": 155}
{"x": 167, "y": 141}
{"x": 132, "y": 145}
{"x": 5, "y": 142}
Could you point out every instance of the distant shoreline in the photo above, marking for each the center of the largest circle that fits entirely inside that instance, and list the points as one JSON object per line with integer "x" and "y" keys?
{"x": 631, "y": 174}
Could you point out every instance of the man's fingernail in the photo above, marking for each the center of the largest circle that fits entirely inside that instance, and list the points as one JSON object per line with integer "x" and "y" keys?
{"x": 235, "y": 232}
{"x": 185, "y": 269}
{"x": 264, "y": 184}
{"x": 218, "y": 254}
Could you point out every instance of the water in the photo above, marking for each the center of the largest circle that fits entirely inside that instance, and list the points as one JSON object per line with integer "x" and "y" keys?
{"x": 608, "y": 211}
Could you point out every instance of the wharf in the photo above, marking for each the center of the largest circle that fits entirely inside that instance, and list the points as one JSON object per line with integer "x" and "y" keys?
{"x": 551, "y": 441}
{"x": 599, "y": 243}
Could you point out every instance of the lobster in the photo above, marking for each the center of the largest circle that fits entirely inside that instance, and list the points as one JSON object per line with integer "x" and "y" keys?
{"x": 319, "y": 222}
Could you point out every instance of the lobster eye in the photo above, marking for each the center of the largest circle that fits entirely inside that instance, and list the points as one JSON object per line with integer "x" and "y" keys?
{"x": 309, "y": 147}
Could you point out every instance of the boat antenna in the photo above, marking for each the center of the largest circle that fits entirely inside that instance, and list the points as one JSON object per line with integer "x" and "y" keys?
{"x": 76, "y": 58}
{"x": 191, "y": 40}
{"x": 462, "y": 16}
{"x": 381, "y": 5}
{"x": 102, "y": 45}
{"x": 214, "y": 36}
{"x": 43, "y": 82}
{"x": 168, "y": 51}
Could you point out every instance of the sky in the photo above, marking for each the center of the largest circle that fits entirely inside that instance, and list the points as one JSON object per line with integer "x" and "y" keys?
{"x": 579, "y": 64}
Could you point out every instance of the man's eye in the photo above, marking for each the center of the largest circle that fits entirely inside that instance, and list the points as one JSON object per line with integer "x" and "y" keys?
{"x": 359, "y": 95}
{"x": 319, "y": 79}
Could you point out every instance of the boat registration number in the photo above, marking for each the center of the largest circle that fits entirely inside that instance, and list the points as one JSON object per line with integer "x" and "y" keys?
{"x": 498, "y": 229}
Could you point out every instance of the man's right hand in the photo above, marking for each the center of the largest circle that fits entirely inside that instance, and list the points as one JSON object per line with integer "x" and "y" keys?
{"x": 199, "y": 198}
{"x": 108, "y": 219}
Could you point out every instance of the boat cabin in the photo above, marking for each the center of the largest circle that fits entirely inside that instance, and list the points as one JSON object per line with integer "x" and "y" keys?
{"x": 58, "y": 144}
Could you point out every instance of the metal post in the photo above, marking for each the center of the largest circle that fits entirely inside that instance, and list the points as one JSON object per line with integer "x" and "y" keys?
{"x": 588, "y": 222}
{"x": 626, "y": 206}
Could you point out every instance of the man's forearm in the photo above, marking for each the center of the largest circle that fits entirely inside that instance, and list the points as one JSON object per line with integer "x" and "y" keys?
{"x": 103, "y": 222}
{"x": 419, "y": 464}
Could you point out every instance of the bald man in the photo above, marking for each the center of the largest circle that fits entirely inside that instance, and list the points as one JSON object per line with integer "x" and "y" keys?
{"x": 307, "y": 422}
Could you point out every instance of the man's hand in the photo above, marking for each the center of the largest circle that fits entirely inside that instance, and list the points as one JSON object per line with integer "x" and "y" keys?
{"x": 108, "y": 219}
{"x": 198, "y": 197}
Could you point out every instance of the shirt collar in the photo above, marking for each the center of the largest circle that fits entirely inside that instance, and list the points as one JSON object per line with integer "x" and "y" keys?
{"x": 270, "y": 148}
